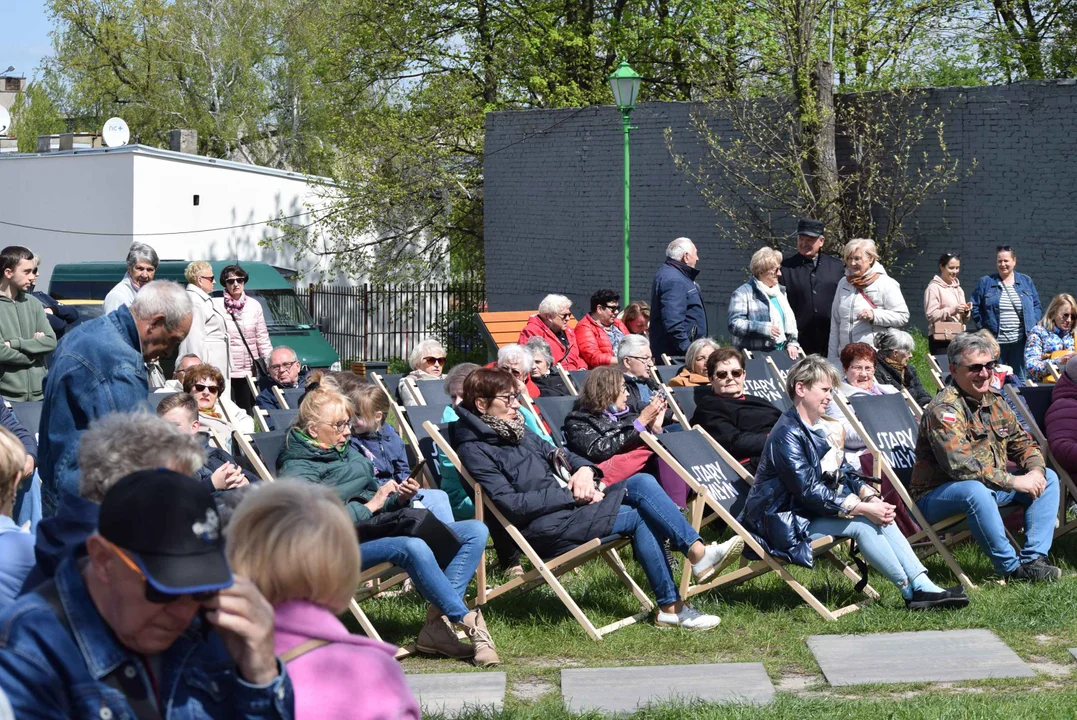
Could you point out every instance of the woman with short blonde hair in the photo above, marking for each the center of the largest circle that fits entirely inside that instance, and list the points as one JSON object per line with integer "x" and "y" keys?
{"x": 866, "y": 302}
{"x": 16, "y": 544}
{"x": 1051, "y": 339}
{"x": 760, "y": 317}
{"x": 297, "y": 544}
{"x": 208, "y": 336}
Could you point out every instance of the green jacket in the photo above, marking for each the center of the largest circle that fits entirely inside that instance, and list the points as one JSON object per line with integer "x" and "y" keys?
{"x": 346, "y": 472}
{"x": 22, "y": 359}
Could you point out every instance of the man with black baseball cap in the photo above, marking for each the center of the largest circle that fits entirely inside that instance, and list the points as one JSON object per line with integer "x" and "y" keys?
{"x": 150, "y": 623}
{"x": 811, "y": 279}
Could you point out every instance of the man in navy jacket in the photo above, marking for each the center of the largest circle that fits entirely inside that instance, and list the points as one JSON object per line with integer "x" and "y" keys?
{"x": 678, "y": 316}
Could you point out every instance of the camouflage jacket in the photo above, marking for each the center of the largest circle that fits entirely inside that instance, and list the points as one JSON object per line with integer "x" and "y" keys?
{"x": 961, "y": 439}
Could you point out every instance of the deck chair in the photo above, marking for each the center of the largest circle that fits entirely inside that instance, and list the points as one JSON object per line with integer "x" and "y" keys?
{"x": 430, "y": 392}
{"x": 664, "y": 373}
{"x": 711, "y": 471}
{"x": 1032, "y": 404}
{"x": 417, "y": 416}
{"x": 546, "y": 571}
{"x": 684, "y": 402}
{"x": 940, "y": 369}
{"x": 262, "y": 450}
{"x": 779, "y": 363}
{"x": 503, "y": 328}
{"x": 763, "y": 381}
{"x": 566, "y": 378}
{"x": 889, "y": 428}
{"x": 579, "y": 377}
{"x": 554, "y": 411}
{"x": 283, "y": 419}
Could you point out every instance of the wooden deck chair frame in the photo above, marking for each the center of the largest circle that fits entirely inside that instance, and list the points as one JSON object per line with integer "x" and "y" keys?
{"x": 247, "y": 448}
{"x": 823, "y": 547}
{"x": 881, "y": 466}
{"x": 666, "y": 359}
{"x": 567, "y": 380}
{"x": 258, "y": 413}
{"x": 678, "y": 411}
{"x": 280, "y": 399}
{"x": 414, "y": 391}
{"x": 936, "y": 371}
{"x": 546, "y": 571}
{"x": 1068, "y": 488}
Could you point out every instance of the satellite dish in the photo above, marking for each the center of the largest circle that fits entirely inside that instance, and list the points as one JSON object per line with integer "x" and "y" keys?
{"x": 116, "y": 133}
{"x": 5, "y": 121}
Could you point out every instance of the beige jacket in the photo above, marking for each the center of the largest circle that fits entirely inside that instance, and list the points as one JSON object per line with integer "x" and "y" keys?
{"x": 944, "y": 302}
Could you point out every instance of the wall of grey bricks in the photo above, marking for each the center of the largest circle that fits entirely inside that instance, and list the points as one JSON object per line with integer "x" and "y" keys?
{"x": 553, "y": 199}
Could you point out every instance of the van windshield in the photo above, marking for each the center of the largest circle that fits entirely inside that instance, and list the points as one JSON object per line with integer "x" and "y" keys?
{"x": 282, "y": 309}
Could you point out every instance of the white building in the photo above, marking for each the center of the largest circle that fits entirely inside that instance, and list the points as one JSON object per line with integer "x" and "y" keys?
{"x": 90, "y": 204}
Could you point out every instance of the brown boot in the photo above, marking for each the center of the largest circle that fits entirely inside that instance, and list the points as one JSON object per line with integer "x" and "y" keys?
{"x": 439, "y": 638}
{"x": 475, "y": 628}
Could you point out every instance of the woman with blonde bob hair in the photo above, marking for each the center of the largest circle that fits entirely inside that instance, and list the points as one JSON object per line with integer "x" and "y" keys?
{"x": 297, "y": 544}
{"x": 1051, "y": 339}
{"x": 760, "y": 317}
{"x": 208, "y": 338}
{"x": 867, "y": 300}
{"x": 317, "y": 450}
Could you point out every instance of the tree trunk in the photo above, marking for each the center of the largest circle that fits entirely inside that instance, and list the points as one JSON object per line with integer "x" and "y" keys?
{"x": 823, "y": 158}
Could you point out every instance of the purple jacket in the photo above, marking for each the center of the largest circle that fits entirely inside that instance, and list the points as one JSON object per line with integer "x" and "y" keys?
{"x": 353, "y": 677}
{"x": 1061, "y": 422}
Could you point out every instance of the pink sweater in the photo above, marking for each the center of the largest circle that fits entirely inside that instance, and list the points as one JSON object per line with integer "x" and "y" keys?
{"x": 353, "y": 677}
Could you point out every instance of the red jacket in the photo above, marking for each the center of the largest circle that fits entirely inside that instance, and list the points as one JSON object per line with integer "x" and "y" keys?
{"x": 595, "y": 347}
{"x": 570, "y": 360}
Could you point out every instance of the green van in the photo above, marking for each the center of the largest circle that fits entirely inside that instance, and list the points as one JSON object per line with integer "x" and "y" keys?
{"x": 286, "y": 318}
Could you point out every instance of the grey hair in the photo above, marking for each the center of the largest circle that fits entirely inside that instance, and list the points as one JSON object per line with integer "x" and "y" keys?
{"x": 764, "y": 259}
{"x": 162, "y": 297}
{"x": 454, "y": 381}
{"x": 809, "y": 371}
{"x": 552, "y": 304}
{"x": 282, "y": 347}
{"x": 867, "y": 244}
{"x": 964, "y": 343}
{"x": 632, "y": 345}
{"x": 188, "y": 355}
{"x": 539, "y": 346}
{"x": 142, "y": 252}
{"x": 892, "y": 339}
{"x": 119, "y": 444}
{"x": 419, "y": 351}
{"x": 697, "y": 347}
{"x": 677, "y": 249}
{"x": 514, "y": 352}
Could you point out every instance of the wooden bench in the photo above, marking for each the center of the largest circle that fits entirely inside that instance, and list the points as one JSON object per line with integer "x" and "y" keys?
{"x": 503, "y": 328}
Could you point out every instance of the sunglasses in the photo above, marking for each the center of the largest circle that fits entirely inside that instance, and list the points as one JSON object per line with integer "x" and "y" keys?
{"x": 613, "y": 308}
{"x": 206, "y": 277}
{"x": 977, "y": 368}
{"x": 1066, "y": 316}
{"x": 199, "y": 387}
{"x": 431, "y": 360}
{"x": 153, "y": 595}
{"x": 1003, "y": 248}
{"x": 564, "y": 316}
{"x": 234, "y": 281}
{"x": 723, "y": 374}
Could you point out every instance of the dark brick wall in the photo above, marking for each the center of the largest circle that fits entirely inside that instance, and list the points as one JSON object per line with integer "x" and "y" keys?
{"x": 553, "y": 200}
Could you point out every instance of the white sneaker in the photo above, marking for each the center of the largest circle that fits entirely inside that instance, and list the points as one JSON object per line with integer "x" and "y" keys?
{"x": 717, "y": 558}
{"x": 688, "y": 618}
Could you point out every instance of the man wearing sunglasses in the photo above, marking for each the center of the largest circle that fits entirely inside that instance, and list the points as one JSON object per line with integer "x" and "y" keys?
{"x": 600, "y": 331}
{"x": 967, "y": 434}
{"x": 150, "y": 623}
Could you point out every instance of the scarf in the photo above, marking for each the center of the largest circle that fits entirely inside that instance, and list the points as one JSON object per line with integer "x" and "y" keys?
{"x": 320, "y": 445}
{"x": 510, "y": 432}
{"x": 892, "y": 363}
{"x": 781, "y": 314}
{"x": 864, "y": 280}
{"x": 614, "y": 414}
{"x": 234, "y": 306}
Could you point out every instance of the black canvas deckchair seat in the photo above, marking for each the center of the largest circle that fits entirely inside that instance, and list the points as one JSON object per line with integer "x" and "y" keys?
{"x": 720, "y": 483}
{"x": 666, "y": 372}
{"x": 761, "y": 382}
{"x": 292, "y": 396}
{"x": 417, "y": 416}
{"x": 554, "y": 410}
{"x": 782, "y": 362}
{"x": 283, "y": 419}
{"x": 269, "y": 446}
{"x": 578, "y": 377}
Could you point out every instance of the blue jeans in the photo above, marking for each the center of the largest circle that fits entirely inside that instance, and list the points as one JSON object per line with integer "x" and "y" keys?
{"x": 1013, "y": 354}
{"x": 980, "y": 503}
{"x": 647, "y": 515}
{"x": 885, "y": 548}
{"x": 437, "y": 502}
{"x": 443, "y": 588}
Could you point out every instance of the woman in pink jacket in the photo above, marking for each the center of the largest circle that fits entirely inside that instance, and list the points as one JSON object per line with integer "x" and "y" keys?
{"x": 296, "y": 543}
{"x": 248, "y": 336}
{"x": 944, "y": 300}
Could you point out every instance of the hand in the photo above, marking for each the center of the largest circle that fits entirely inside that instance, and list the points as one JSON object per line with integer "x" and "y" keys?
{"x": 775, "y": 331}
{"x": 377, "y": 502}
{"x": 222, "y": 476}
{"x": 1033, "y": 483}
{"x": 597, "y": 497}
{"x": 49, "y": 311}
{"x": 244, "y": 620}
{"x": 582, "y": 485}
{"x": 408, "y": 489}
{"x": 651, "y": 410}
{"x": 656, "y": 426}
{"x": 793, "y": 350}
{"x": 28, "y": 466}
{"x": 38, "y": 334}
{"x": 880, "y": 513}
{"x": 866, "y": 314}
{"x": 521, "y": 388}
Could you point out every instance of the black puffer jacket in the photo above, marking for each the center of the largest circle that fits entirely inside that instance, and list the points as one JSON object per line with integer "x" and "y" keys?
{"x": 522, "y": 486}
{"x": 600, "y": 437}
{"x": 790, "y": 490}
{"x": 550, "y": 386}
{"x": 740, "y": 425}
{"x": 911, "y": 381}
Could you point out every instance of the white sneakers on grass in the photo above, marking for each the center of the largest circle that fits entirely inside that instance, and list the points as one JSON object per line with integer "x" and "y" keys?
{"x": 688, "y": 618}
{"x": 717, "y": 558}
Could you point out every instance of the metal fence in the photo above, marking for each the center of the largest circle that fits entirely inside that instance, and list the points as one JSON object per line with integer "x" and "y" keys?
{"x": 371, "y": 322}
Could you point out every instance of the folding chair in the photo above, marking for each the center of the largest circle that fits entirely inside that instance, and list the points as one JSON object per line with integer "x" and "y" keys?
{"x": 684, "y": 402}
{"x": 566, "y": 378}
{"x": 579, "y": 377}
{"x": 665, "y": 373}
{"x": 428, "y": 392}
{"x": 554, "y": 411}
{"x": 1032, "y": 404}
{"x": 417, "y": 415}
{"x": 283, "y": 419}
{"x": 889, "y": 428}
{"x": 262, "y": 450}
{"x": 763, "y": 379}
{"x": 711, "y": 475}
{"x": 779, "y": 363}
{"x": 546, "y": 570}
{"x": 940, "y": 369}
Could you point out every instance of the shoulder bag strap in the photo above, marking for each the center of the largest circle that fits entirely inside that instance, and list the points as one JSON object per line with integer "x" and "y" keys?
{"x": 867, "y": 299}
{"x": 242, "y": 336}
{"x": 302, "y": 649}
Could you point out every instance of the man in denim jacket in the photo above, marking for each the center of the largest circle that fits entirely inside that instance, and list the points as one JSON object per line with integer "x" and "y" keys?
{"x": 150, "y": 623}
{"x": 100, "y": 368}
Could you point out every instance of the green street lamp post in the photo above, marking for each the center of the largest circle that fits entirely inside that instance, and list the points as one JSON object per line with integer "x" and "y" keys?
{"x": 625, "y": 84}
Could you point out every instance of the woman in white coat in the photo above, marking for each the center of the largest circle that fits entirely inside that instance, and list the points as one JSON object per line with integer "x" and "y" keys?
{"x": 208, "y": 338}
{"x": 867, "y": 300}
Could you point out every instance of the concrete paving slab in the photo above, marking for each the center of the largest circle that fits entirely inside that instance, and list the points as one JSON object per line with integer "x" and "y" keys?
{"x": 928, "y": 656}
{"x": 624, "y": 689}
{"x": 1073, "y": 652}
{"x": 451, "y": 693}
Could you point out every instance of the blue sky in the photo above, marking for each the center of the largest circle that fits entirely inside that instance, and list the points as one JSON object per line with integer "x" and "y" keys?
{"x": 24, "y": 36}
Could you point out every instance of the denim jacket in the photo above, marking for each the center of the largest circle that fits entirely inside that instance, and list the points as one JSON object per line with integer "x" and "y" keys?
{"x": 98, "y": 369}
{"x": 49, "y": 670}
{"x": 985, "y": 299}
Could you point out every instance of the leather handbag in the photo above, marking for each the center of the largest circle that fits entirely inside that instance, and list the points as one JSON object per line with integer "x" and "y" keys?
{"x": 413, "y": 522}
{"x": 946, "y": 330}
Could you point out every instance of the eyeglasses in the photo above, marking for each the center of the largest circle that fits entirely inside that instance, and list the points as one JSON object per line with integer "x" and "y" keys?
{"x": 1003, "y": 248}
{"x": 206, "y": 277}
{"x": 283, "y": 365}
{"x": 154, "y": 595}
{"x": 564, "y": 316}
{"x": 431, "y": 360}
{"x": 613, "y": 308}
{"x": 723, "y": 374}
{"x": 1066, "y": 316}
{"x": 339, "y": 426}
{"x": 199, "y": 387}
{"x": 977, "y": 368}
{"x": 507, "y": 399}
{"x": 234, "y": 281}
{"x": 644, "y": 360}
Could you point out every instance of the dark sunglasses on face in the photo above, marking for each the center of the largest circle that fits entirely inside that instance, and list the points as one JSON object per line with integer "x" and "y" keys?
{"x": 206, "y": 277}
{"x": 1066, "y": 316}
{"x": 199, "y": 387}
{"x": 1003, "y": 248}
{"x": 234, "y": 281}
{"x": 613, "y": 308}
{"x": 431, "y": 360}
{"x": 723, "y": 374}
{"x": 564, "y": 316}
{"x": 977, "y": 368}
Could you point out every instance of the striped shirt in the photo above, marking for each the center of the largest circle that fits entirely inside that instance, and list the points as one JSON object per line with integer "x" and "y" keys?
{"x": 1009, "y": 315}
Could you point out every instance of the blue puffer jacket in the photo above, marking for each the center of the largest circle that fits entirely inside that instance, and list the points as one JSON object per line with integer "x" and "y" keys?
{"x": 677, "y": 313}
{"x": 385, "y": 449}
{"x": 790, "y": 491}
{"x": 986, "y": 296}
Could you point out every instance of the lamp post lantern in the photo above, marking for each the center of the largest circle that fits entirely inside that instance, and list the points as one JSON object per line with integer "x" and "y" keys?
{"x": 625, "y": 84}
